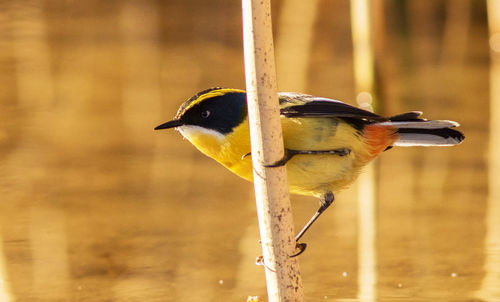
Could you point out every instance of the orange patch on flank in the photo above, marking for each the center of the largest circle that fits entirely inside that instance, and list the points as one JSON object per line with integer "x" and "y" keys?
{"x": 378, "y": 138}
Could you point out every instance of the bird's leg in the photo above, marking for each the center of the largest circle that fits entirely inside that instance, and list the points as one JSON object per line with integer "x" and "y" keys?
{"x": 289, "y": 153}
{"x": 326, "y": 201}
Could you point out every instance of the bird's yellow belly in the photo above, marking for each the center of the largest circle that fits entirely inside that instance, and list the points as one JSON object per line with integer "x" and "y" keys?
{"x": 318, "y": 174}
{"x": 310, "y": 174}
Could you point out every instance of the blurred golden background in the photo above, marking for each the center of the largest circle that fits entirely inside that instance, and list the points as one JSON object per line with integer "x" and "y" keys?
{"x": 96, "y": 206}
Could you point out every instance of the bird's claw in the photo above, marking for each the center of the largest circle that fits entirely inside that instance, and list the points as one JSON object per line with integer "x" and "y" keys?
{"x": 259, "y": 261}
{"x": 301, "y": 247}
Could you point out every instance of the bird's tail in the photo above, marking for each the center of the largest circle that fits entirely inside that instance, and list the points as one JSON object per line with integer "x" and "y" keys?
{"x": 414, "y": 131}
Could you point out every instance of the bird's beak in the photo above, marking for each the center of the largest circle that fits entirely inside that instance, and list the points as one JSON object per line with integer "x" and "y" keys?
{"x": 171, "y": 124}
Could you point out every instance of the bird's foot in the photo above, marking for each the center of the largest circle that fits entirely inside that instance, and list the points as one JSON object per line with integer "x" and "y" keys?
{"x": 300, "y": 247}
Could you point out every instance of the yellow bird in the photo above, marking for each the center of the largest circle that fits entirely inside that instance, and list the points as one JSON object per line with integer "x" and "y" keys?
{"x": 327, "y": 142}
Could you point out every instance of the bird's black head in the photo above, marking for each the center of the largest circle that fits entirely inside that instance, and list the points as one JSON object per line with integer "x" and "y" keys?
{"x": 218, "y": 109}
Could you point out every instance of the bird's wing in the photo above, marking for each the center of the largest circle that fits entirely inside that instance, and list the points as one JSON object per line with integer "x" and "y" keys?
{"x": 302, "y": 105}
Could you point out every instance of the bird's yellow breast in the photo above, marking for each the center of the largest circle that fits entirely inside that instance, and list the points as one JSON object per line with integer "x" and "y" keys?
{"x": 229, "y": 150}
{"x": 307, "y": 174}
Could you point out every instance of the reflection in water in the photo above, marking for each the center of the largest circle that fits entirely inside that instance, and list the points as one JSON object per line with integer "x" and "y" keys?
{"x": 141, "y": 83}
{"x": 362, "y": 49}
{"x": 140, "y": 100}
{"x": 50, "y": 253}
{"x": 29, "y": 37}
{"x": 367, "y": 231}
{"x": 363, "y": 61}
{"x": 47, "y": 232}
{"x": 490, "y": 289}
{"x": 293, "y": 44}
{"x": 249, "y": 278}
{"x": 5, "y": 292}
{"x": 455, "y": 33}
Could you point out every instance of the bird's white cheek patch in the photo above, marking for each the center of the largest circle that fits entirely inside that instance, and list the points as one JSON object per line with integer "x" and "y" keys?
{"x": 193, "y": 132}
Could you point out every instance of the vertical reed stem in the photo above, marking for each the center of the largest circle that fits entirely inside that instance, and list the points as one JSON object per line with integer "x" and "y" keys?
{"x": 364, "y": 76}
{"x": 271, "y": 187}
{"x": 489, "y": 290}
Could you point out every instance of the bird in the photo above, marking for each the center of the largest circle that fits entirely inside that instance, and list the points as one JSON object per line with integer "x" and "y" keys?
{"x": 327, "y": 142}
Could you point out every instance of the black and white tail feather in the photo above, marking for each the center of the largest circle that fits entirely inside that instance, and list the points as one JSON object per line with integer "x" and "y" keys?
{"x": 415, "y": 131}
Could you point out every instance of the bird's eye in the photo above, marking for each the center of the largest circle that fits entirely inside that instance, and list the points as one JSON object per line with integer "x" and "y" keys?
{"x": 205, "y": 114}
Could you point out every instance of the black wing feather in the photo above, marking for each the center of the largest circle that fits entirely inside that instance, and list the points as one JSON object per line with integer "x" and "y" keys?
{"x": 324, "y": 108}
{"x": 408, "y": 116}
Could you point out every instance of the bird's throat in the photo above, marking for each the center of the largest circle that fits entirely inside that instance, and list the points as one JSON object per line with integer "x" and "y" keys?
{"x": 228, "y": 149}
